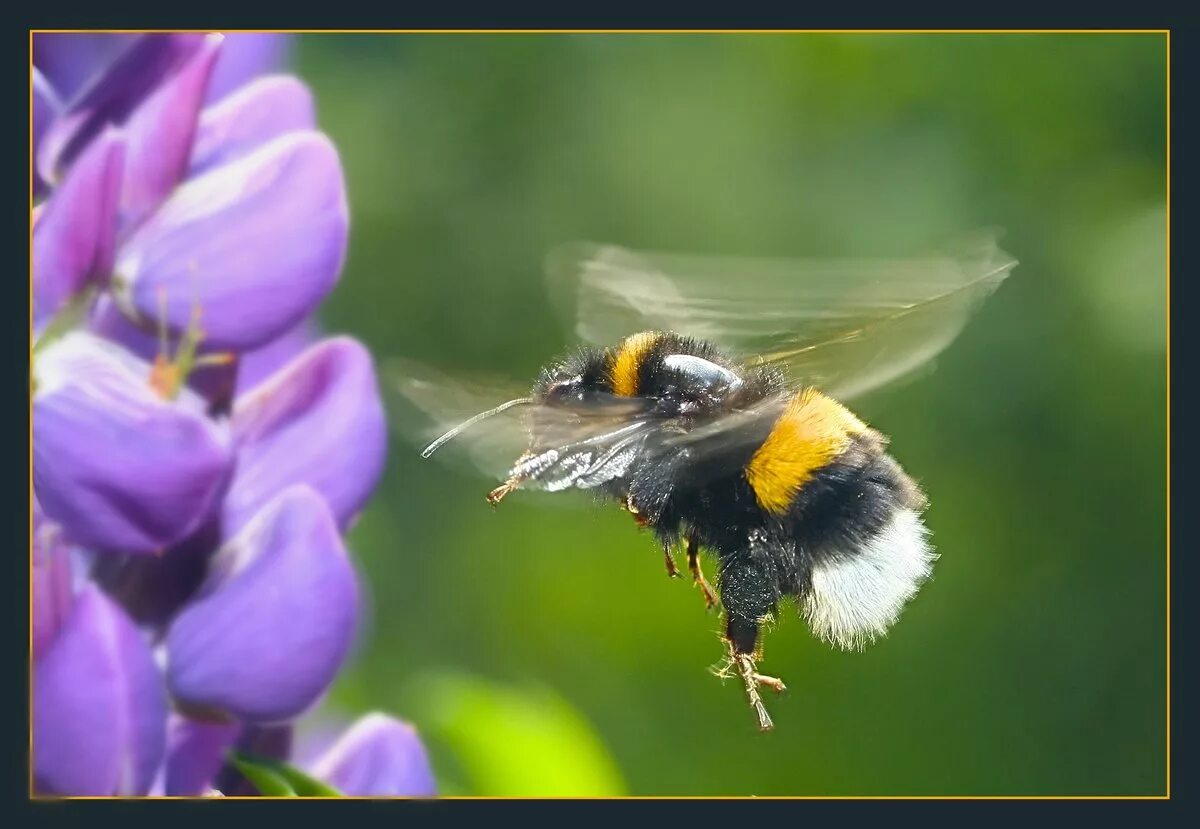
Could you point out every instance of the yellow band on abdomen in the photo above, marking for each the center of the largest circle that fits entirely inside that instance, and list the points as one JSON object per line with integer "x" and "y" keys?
{"x": 812, "y": 431}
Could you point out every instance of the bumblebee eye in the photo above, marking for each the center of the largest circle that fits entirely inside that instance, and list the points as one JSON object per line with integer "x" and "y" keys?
{"x": 565, "y": 392}
{"x": 702, "y": 375}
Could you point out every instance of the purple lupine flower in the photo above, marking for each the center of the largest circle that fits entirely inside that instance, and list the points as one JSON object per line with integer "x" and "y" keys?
{"x": 194, "y": 755}
{"x": 261, "y": 110}
{"x": 159, "y": 134}
{"x": 259, "y": 661}
{"x": 377, "y": 756}
{"x": 115, "y": 464}
{"x": 246, "y": 55}
{"x": 46, "y": 107}
{"x": 99, "y": 707}
{"x": 69, "y": 61}
{"x": 74, "y": 236}
{"x": 113, "y": 95}
{"x": 330, "y": 394}
{"x": 257, "y": 243}
{"x": 258, "y": 364}
{"x": 52, "y": 575}
{"x": 192, "y": 592}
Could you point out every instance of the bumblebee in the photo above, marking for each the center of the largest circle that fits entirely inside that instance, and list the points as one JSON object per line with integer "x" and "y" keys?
{"x": 752, "y": 458}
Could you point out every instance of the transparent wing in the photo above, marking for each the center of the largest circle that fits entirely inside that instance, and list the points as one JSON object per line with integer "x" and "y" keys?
{"x": 572, "y": 448}
{"x": 846, "y": 326}
{"x": 424, "y": 403}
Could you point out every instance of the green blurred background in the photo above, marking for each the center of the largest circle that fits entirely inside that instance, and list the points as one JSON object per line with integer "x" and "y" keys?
{"x": 542, "y": 650}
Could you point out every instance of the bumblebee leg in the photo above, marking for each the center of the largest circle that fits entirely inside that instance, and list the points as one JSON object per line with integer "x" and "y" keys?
{"x": 499, "y": 492}
{"x": 494, "y": 497}
{"x": 751, "y": 678}
{"x": 744, "y": 661}
{"x": 672, "y": 570}
{"x": 749, "y": 596}
{"x": 693, "y": 556}
{"x": 640, "y": 520}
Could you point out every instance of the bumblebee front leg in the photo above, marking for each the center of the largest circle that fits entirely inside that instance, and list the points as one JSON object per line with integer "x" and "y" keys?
{"x": 496, "y": 495}
{"x": 693, "y": 556}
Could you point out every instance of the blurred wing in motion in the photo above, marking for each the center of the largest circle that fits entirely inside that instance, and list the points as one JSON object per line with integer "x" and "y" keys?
{"x": 424, "y": 404}
{"x": 845, "y": 326}
{"x": 488, "y": 424}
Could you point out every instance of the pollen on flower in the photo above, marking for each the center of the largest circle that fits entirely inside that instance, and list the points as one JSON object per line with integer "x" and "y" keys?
{"x": 167, "y": 374}
{"x": 164, "y": 377}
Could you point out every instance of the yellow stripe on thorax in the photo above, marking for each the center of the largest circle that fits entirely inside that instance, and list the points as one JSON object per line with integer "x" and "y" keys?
{"x": 810, "y": 433}
{"x": 628, "y": 360}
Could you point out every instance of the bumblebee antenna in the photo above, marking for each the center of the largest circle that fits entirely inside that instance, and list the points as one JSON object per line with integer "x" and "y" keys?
{"x": 462, "y": 427}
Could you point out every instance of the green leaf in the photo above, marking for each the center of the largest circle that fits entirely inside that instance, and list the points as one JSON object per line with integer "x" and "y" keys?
{"x": 266, "y": 781}
{"x": 287, "y": 779}
{"x": 305, "y": 785}
{"x": 513, "y": 741}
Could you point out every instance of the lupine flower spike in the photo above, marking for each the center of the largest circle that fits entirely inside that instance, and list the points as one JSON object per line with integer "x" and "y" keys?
{"x": 198, "y": 449}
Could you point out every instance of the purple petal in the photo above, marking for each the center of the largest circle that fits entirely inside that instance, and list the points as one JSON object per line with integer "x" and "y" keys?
{"x": 256, "y": 113}
{"x": 107, "y": 321}
{"x": 271, "y": 626}
{"x": 159, "y": 134}
{"x": 99, "y": 710}
{"x": 71, "y": 60}
{"x": 195, "y": 753}
{"x": 112, "y": 96}
{"x": 51, "y": 581}
{"x": 74, "y": 232}
{"x": 45, "y": 107}
{"x": 246, "y": 56}
{"x": 378, "y": 756}
{"x": 319, "y": 422}
{"x": 256, "y": 366}
{"x": 119, "y": 467}
{"x": 258, "y": 243}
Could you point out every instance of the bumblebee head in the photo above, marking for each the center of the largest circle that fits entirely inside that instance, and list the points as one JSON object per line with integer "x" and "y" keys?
{"x": 661, "y": 374}
{"x": 565, "y": 392}
{"x": 573, "y": 381}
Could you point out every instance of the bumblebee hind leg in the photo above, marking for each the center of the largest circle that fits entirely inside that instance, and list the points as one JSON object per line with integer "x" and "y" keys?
{"x": 751, "y": 679}
{"x": 744, "y": 661}
{"x": 749, "y": 595}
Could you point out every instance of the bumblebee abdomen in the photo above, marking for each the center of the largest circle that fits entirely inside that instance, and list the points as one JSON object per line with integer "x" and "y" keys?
{"x": 852, "y": 514}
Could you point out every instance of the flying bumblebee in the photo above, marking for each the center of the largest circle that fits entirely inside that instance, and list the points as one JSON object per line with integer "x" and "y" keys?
{"x": 706, "y": 403}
